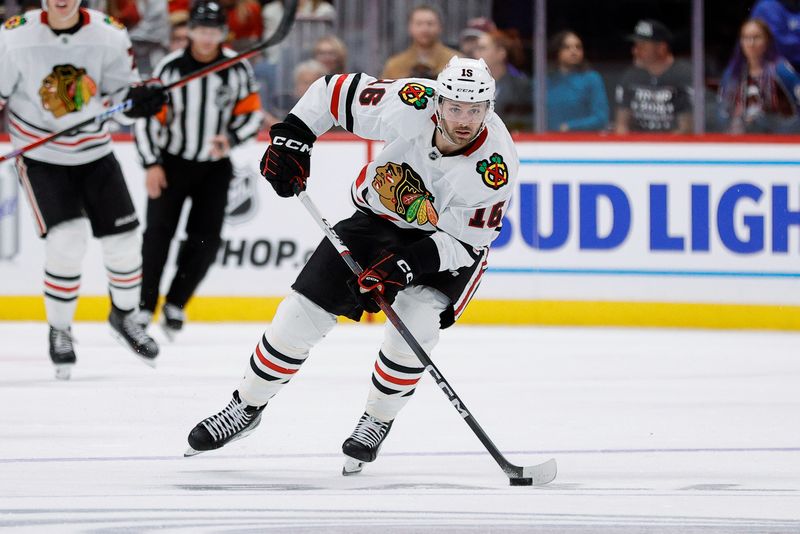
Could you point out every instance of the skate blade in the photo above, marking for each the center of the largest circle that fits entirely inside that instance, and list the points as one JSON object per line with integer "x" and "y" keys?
{"x": 191, "y": 452}
{"x": 352, "y": 466}
{"x": 150, "y": 362}
{"x": 63, "y": 371}
{"x": 169, "y": 333}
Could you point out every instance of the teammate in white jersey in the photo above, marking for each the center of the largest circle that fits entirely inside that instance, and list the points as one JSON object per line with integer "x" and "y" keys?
{"x": 60, "y": 66}
{"x": 428, "y": 207}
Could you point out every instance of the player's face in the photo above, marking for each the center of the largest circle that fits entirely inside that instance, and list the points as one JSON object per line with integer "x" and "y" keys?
{"x": 62, "y": 9}
{"x": 206, "y": 41}
{"x": 462, "y": 120}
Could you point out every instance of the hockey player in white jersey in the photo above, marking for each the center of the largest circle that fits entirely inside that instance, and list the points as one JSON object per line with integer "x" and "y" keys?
{"x": 60, "y": 66}
{"x": 427, "y": 209}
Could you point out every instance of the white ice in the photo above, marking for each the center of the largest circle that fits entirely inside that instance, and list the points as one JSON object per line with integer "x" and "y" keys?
{"x": 654, "y": 431}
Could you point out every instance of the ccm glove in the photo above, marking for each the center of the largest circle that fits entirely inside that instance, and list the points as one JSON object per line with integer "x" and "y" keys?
{"x": 147, "y": 100}
{"x": 287, "y": 161}
{"x": 393, "y": 270}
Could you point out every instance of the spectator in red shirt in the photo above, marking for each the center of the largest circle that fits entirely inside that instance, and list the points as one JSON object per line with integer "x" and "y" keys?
{"x": 245, "y": 25}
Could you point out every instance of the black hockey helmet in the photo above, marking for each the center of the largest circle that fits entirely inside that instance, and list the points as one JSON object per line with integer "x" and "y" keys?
{"x": 207, "y": 13}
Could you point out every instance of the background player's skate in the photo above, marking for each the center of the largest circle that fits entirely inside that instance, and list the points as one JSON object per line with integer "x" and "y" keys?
{"x": 172, "y": 319}
{"x": 62, "y": 352}
{"x": 131, "y": 334}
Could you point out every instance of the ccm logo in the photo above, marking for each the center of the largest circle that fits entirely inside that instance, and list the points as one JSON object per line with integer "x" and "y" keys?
{"x": 291, "y": 144}
{"x": 406, "y": 268}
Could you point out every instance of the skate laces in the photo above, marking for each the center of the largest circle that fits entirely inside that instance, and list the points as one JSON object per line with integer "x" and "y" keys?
{"x": 370, "y": 431}
{"x": 230, "y": 420}
{"x": 61, "y": 340}
{"x": 135, "y": 330}
{"x": 143, "y": 317}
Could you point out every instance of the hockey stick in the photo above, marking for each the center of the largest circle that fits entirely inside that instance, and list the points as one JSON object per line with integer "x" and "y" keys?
{"x": 536, "y": 475}
{"x": 289, "y": 8}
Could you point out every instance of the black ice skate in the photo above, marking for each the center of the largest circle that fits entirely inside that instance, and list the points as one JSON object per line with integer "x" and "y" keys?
{"x": 235, "y": 421}
{"x": 172, "y": 319}
{"x": 61, "y": 352}
{"x": 364, "y": 443}
{"x": 131, "y": 334}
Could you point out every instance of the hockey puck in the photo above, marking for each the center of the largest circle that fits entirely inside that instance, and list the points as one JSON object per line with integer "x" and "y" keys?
{"x": 521, "y": 481}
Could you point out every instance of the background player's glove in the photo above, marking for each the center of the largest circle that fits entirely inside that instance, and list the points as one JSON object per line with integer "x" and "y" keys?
{"x": 287, "y": 161}
{"x": 393, "y": 270}
{"x": 147, "y": 100}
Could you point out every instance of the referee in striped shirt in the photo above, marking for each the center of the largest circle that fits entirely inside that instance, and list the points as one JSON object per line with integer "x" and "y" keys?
{"x": 185, "y": 151}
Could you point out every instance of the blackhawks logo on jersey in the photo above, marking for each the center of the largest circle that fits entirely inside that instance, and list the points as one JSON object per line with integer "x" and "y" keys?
{"x": 493, "y": 171}
{"x": 15, "y": 22}
{"x": 416, "y": 94}
{"x": 401, "y": 190}
{"x": 67, "y": 89}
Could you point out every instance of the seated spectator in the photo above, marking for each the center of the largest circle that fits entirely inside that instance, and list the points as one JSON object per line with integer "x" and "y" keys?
{"x": 759, "y": 89}
{"x": 150, "y": 36}
{"x": 178, "y": 12}
{"x": 654, "y": 95}
{"x": 427, "y": 55}
{"x": 179, "y": 36}
{"x": 331, "y": 52}
{"x": 318, "y": 9}
{"x": 125, "y": 11}
{"x": 468, "y": 38}
{"x": 304, "y": 75}
{"x": 576, "y": 96}
{"x": 272, "y": 12}
{"x": 245, "y": 26}
{"x": 783, "y": 19}
{"x": 502, "y": 52}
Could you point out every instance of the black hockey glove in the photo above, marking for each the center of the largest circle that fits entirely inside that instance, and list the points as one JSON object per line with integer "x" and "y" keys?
{"x": 287, "y": 161}
{"x": 393, "y": 270}
{"x": 147, "y": 100}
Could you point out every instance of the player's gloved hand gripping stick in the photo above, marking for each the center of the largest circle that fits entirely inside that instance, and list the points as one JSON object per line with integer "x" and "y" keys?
{"x": 536, "y": 475}
{"x": 140, "y": 100}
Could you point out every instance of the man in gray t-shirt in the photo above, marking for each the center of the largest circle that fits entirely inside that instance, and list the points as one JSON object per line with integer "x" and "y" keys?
{"x": 655, "y": 95}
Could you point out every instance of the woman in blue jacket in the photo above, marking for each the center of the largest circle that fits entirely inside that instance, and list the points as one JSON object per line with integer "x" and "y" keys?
{"x": 759, "y": 91}
{"x": 576, "y": 96}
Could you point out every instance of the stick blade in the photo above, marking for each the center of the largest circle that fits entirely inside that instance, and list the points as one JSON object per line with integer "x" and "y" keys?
{"x": 541, "y": 474}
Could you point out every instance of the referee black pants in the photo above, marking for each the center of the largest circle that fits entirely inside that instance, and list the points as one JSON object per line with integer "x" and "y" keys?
{"x": 206, "y": 184}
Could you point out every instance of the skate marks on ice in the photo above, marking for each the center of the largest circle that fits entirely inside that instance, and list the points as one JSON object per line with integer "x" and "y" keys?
{"x": 370, "y": 520}
{"x": 305, "y": 493}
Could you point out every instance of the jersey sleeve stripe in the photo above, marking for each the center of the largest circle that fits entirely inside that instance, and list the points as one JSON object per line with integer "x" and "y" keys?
{"x": 248, "y": 104}
{"x": 337, "y": 90}
{"x": 348, "y": 105}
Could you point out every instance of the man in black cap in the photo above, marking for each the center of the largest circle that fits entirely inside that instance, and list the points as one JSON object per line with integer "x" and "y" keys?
{"x": 655, "y": 95}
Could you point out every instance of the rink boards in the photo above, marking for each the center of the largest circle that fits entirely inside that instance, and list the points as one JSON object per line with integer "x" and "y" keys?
{"x": 667, "y": 233}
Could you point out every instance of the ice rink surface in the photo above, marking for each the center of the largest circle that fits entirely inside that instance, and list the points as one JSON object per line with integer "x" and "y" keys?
{"x": 654, "y": 431}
